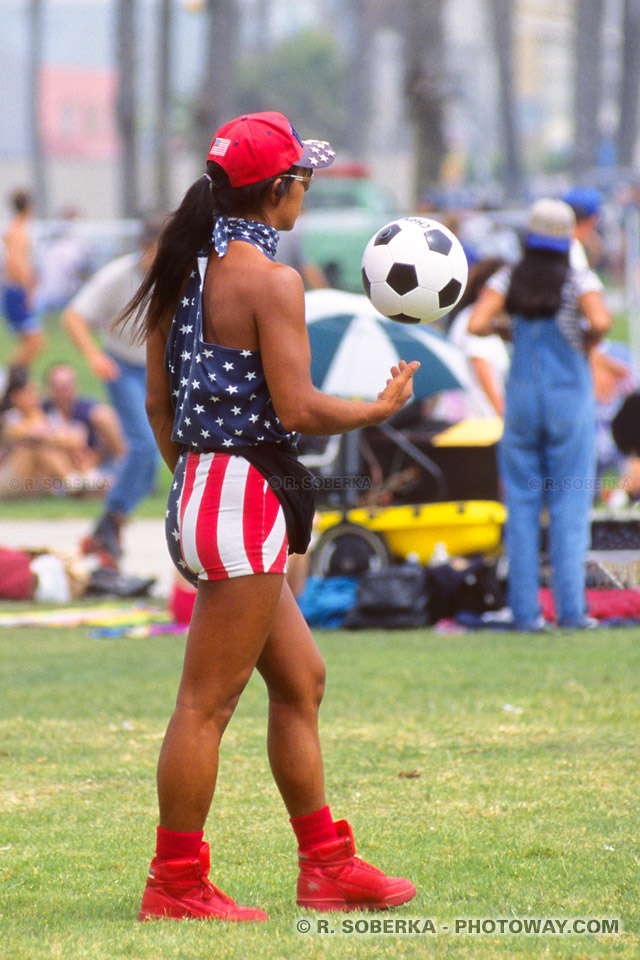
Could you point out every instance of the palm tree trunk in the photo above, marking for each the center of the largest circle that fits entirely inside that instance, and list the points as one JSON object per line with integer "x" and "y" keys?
{"x": 38, "y": 164}
{"x": 126, "y": 106}
{"x": 630, "y": 84}
{"x": 364, "y": 15}
{"x": 163, "y": 104}
{"x": 588, "y": 84}
{"x": 502, "y": 16}
{"x": 425, "y": 88}
{"x": 216, "y": 103}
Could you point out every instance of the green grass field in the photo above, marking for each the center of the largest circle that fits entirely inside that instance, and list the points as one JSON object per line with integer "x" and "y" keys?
{"x": 499, "y": 772}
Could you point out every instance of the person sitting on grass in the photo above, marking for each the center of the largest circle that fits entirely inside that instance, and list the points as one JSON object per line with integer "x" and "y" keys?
{"x": 66, "y": 407}
{"x": 38, "y": 457}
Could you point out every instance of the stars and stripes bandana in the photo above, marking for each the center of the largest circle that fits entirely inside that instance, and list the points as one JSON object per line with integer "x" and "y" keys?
{"x": 260, "y": 235}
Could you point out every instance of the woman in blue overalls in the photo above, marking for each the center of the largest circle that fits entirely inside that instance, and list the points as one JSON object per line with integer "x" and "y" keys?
{"x": 547, "y": 454}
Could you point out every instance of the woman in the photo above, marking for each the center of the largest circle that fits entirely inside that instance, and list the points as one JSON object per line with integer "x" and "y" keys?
{"x": 228, "y": 386}
{"x": 547, "y": 454}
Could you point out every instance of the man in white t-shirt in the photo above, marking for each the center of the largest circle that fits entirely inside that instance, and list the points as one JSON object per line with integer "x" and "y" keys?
{"x": 120, "y": 363}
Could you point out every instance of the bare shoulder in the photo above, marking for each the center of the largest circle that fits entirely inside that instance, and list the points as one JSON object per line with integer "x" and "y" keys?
{"x": 280, "y": 287}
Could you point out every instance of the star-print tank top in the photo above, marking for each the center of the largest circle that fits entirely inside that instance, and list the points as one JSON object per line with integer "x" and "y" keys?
{"x": 219, "y": 394}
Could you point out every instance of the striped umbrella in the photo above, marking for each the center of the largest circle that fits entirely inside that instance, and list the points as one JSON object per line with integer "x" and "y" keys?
{"x": 353, "y": 348}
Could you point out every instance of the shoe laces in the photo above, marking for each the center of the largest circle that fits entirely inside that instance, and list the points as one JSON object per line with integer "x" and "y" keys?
{"x": 211, "y": 891}
{"x": 356, "y": 862}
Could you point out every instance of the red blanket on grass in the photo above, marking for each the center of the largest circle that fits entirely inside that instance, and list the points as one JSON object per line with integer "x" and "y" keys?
{"x": 602, "y": 604}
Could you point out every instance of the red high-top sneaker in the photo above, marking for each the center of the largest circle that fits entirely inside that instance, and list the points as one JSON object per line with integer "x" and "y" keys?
{"x": 181, "y": 890}
{"x": 333, "y": 878}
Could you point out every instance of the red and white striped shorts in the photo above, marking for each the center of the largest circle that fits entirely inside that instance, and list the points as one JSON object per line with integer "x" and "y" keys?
{"x": 223, "y": 519}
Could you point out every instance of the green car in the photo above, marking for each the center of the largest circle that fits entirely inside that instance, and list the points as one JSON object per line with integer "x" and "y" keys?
{"x": 341, "y": 214}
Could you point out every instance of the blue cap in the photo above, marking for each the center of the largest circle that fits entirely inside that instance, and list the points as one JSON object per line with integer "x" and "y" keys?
{"x": 586, "y": 201}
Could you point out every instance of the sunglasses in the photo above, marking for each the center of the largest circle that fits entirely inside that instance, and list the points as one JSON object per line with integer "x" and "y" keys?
{"x": 305, "y": 181}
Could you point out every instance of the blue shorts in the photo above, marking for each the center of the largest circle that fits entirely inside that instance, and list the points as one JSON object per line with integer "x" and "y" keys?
{"x": 20, "y": 317}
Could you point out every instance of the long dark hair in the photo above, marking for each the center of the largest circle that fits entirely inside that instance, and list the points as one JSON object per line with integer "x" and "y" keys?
{"x": 536, "y": 283}
{"x": 186, "y": 232}
{"x": 18, "y": 377}
{"x": 479, "y": 273}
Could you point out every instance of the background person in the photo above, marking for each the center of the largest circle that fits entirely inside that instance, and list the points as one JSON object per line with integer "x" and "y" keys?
{"x": 586, "y": 245}
{"x": 224, "y": 409}
{"x": 487, "y": 357}
{"x": 39, "y": 457}
{"x": 19, "y": 282}
{"x": 65, "y": 405}
{"x": 547, "y": 453}
{"x": 120, "y": 363}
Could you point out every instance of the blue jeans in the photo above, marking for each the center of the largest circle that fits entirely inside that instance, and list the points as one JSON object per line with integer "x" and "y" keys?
{"x": 137, "y": 471}
{"x": 547, "y": 458}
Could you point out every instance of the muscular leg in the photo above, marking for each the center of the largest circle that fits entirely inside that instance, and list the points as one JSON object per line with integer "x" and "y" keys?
{"x": 230, "y": 624}
{"x": 294, "y": 672}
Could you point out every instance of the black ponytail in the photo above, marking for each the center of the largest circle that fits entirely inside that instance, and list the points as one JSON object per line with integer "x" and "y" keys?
{"x": 536, "y": 283}
{"x": 187, "y": 231}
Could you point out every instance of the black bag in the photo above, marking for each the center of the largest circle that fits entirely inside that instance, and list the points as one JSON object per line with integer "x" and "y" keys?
{"x": 391, "y": 597}
{"x": 473, "y": 588}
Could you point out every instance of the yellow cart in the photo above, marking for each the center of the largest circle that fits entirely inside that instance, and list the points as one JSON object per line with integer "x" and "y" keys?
{"x": 352, "y": 540}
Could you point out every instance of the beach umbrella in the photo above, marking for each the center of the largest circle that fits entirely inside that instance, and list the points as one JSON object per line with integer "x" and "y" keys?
{"x": 353, "y": 348}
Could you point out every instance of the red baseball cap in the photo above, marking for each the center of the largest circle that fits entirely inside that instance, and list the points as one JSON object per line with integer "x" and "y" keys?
{"x": 258, "y": 146}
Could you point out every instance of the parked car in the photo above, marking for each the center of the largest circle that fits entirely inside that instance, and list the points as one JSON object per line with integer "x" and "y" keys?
{"x": 342, "y": 212}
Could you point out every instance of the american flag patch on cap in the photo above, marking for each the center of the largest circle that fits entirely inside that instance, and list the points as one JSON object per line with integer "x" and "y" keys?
{"x": 219, "y": 147}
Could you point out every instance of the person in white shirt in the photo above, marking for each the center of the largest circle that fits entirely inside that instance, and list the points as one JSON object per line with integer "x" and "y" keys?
{"x": 119, "y": 361}
{"x": 488, "y": 357}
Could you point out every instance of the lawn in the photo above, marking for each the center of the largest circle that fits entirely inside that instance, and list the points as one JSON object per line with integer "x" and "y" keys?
{"x": 497, "y": 771}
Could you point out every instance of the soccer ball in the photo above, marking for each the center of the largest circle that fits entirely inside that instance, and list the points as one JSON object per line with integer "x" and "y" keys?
{"x": 414, "y": 270}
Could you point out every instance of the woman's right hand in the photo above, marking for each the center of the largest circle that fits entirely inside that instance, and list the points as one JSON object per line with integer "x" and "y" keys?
{"x": 399, "y": 388}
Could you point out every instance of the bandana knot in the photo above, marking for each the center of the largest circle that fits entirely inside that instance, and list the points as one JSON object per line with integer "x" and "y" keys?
{"x": 226, "y": 229}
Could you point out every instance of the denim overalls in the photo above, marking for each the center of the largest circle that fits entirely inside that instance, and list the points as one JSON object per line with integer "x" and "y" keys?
{"x": 547, "y": 458}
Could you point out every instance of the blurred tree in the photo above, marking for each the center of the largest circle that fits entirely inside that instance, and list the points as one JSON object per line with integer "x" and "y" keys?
{"x": 163, "y": 103}
{"x": 304, "y": 77}
{"x": 365, "y": 16}
{"x": 502, "y": 12}
{"x": 425, "y": 87}
{"x": 35, "y": 42}
{"x": 126, "y": 104}
{"x": 630, "y": 84}
{"x": 262, "y": 11}
{"x": 216, "y": 102}
{"x": 588, "y": 84}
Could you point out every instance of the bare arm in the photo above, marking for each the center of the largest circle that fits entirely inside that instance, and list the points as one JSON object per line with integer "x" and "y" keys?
{"x": 158, "y": 399}
{"x": 594, "y": 309}
{"x": 489, "y": 304}
{"x": 286, "y": 359}
{"x": 102, "y": 365}
{"x": 487, "y": 380}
